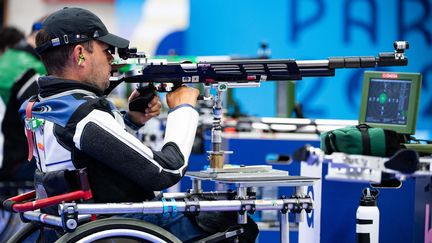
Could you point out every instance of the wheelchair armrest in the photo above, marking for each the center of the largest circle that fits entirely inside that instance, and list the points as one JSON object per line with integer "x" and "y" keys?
{"x": 9, "y": 203}
{"x": 14, "y": 204}
{"x": 21, "y": 202}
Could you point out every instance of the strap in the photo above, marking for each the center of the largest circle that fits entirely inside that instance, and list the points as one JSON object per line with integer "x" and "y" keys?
{"x": 29, "y": 132}
{"x": 327, "y": 144}
{"x": 65, "y": 40}
{"x": 365, "y": 138}
{"x": 330, "y": 143}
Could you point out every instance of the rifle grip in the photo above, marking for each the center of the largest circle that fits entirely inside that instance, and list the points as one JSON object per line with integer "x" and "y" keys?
{"x": 140, "y": 103}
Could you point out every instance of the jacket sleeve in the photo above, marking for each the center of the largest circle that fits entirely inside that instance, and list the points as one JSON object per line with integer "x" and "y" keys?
{"x": 100, "y": 136}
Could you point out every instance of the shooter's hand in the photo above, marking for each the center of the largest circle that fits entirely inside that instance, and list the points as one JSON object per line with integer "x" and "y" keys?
{"x": 152, "y": 110}
{"x": 182, "y": 95}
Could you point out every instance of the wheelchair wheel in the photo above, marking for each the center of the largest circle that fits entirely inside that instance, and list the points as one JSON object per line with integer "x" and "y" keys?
{"x": 119, "y": 230}
{"x": 6, "y": 224}
{"x": 16, "y": 231}
{"x": 9, "y": 222}
{"x": 28, "y": 233}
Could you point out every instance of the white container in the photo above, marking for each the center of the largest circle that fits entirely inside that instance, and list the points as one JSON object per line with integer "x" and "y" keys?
{"x": 367, "y": 226}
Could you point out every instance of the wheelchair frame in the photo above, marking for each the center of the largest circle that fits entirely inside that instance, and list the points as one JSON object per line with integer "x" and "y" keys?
{"x": 73, "y": 214}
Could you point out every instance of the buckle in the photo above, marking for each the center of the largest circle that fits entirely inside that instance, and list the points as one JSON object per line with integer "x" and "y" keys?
{"x": 66, "y": 39}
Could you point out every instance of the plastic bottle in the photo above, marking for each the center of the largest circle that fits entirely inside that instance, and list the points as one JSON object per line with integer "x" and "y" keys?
{"x": 367, "y": 227}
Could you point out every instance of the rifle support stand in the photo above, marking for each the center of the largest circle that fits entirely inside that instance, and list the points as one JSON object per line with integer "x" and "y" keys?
{"x": 216, "y": 156}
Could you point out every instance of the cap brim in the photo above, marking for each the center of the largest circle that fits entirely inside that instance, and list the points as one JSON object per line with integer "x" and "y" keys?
{"x": 114, "y": 40}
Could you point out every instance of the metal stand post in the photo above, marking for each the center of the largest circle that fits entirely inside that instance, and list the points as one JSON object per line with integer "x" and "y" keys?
{"x": 196, "y": 186}
{"x": 216, "y": 156}
{"x": 284, "y": 228}
{"x": 300, "y": 193}
{"x": 242, "y": 194}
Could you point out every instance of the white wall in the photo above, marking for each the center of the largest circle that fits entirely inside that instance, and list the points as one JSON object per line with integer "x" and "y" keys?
{"x": 22, "y": 13}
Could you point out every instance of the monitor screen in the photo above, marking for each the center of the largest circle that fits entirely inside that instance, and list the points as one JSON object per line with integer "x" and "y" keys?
{"x": 390, "y": 100}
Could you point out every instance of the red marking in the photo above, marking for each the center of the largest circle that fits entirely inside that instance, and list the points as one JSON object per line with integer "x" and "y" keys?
{"x": 209, "y": 80}
{"x": 230, "y": 129}
{"x": 40, "y": 146}
{"x": 29, "y": 133}
{"x": 390, "y": 75}
{"x": 251, "y": 78}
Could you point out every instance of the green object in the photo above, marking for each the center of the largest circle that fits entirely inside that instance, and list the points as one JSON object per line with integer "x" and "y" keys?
{"x": 168, "y": 58}
{"x": 13, "y": 64}
{"x": 290, "y": 98}
{"x": 34, "y": 123}
{"x": 420, "y": 148}
{"x": 175, "y": 58}
{"x": 390, "y": 100}
{"x": 383, "y": 98}
{"x": 350, "y": 140}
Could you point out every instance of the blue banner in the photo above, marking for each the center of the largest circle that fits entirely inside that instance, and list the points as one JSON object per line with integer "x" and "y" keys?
{"x": 306, "y": 29}
{"x": 316, "y": 29}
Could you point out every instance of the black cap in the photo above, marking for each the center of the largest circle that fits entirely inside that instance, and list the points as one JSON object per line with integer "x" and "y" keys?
{"x": 74, "y": 25}
{"x": 369, "y": 197}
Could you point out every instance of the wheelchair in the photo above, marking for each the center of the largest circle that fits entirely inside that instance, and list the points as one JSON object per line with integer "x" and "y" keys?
{"x": 80, "y": 221}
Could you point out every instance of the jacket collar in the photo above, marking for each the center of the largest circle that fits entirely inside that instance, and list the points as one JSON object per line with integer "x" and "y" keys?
{"x": 51, "y": 85}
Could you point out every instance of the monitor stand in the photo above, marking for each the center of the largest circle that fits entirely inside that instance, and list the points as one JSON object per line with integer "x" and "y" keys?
{"x": 420, "y": 148}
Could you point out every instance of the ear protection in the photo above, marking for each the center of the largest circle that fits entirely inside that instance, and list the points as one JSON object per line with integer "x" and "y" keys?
{"x": 80, "y": 58}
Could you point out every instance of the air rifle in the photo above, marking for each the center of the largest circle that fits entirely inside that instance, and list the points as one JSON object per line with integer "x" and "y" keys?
{"x": 157, "y": 71}
{"x": 157, "y": 74}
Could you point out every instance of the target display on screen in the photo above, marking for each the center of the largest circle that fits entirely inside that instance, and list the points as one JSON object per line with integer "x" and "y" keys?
{"x": 390, "y": 100}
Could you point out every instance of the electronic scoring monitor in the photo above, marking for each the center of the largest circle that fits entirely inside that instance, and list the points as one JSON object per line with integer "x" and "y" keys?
{"x": 390, "y": 100}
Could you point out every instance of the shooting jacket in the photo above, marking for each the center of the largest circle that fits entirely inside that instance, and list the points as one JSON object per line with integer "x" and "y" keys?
{"x": 78, "y": 127}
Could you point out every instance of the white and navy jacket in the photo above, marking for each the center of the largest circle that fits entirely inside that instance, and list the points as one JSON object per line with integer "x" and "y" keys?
{"x": 81, "y": 128}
